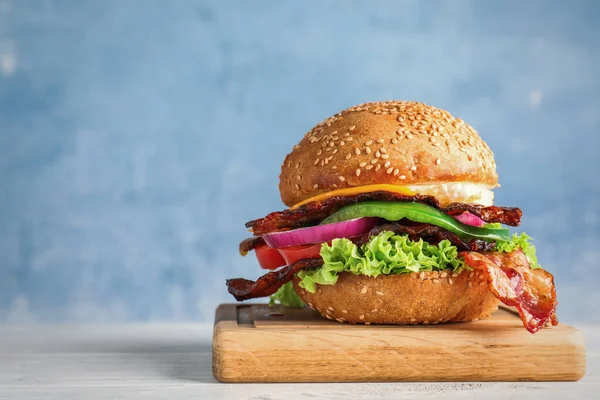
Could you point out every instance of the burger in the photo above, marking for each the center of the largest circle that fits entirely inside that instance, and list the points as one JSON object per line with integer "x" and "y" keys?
{"x": 391, "y": 221}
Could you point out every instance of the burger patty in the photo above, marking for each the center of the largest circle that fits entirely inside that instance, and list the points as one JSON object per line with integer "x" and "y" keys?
{"x": 313, "y": 213}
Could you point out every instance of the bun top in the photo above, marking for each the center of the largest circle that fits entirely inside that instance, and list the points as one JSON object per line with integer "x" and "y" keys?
{"x": 393, "y": 142}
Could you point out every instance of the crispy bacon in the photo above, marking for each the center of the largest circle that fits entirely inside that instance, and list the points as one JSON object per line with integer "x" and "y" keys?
{"x": 513, "y": 282}
{"x": 429, "y": 233}
{"x": 266, "y": 285}
{"x": 315, "y": 212}
{"x": 250, "y": 244}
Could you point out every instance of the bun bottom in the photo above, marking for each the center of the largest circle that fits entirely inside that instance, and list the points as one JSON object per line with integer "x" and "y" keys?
{"x": 407, "y": 299}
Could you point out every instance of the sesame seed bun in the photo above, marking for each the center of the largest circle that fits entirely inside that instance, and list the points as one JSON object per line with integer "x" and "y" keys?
{"x": 416, "y": 298}
{"x": 393, "y": 142}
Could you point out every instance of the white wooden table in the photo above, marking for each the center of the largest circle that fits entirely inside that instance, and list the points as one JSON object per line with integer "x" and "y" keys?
{"x": 174, "y": 361}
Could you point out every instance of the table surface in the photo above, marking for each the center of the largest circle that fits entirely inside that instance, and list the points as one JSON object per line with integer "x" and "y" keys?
{"x": 174, "y": 361}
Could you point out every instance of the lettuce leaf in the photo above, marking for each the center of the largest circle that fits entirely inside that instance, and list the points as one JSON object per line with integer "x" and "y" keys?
{"x": 286, "y": 296}
{"x": 386, "y": 253}
{"x": 521, "y": 241}
{"x": 518, "y": 241}
{"x": 391, "y": 254}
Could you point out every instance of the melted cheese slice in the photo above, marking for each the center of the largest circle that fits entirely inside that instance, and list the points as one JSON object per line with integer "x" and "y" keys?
{"x": 446, "y": 193}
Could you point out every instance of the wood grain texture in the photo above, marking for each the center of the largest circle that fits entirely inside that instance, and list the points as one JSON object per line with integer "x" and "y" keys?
{"x": 255, "y": 343}
{"x": 173, "y": 361}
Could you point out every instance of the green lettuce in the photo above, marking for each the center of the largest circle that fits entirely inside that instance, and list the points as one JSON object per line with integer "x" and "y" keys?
{"x": 391, "y": 254}
{"x": 518, "y": 241}
{"x": 386, "y": 253}
{"x": 286, "y": 296}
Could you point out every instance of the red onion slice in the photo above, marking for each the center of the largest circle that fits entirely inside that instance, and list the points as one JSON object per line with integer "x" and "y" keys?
{"x": 320, "y": 233}
{"x": 469, "y": 219}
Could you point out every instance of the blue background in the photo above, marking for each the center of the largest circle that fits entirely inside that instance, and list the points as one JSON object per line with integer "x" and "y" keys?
{"x": 137, "y": 137}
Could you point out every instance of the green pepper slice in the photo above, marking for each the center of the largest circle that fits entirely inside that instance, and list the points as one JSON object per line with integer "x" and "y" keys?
{"x": 417, "y": 212}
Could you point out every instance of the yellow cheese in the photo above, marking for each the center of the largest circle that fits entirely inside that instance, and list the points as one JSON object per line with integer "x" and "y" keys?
{"x": 352, "y": 191}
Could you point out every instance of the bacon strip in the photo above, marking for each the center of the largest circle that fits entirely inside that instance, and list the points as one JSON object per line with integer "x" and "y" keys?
{"x": 429, "y": 233}
{"x": 315, "y": 212}
{"x": 266, "y": 285}
{"x": 514, "y": 283}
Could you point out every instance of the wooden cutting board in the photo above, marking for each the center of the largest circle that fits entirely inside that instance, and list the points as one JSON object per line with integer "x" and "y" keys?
{"x": 255, "y": 343}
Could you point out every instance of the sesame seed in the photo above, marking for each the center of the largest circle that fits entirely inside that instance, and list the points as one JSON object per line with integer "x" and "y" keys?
{"x": 357, "y": 151}
{"x": 438, "y": 161}
{"x": 298, "y": 177}
{"x": 368, "y": 167}
{"x": 342, "y": 142}
{"x": 413, "y": 168}
{"x": 341, "y": 178}
{"x": 361, "y": 317}
{"x": 334, "y": 151}
{"x": 374, "y": 310}
{"x": 374, "y": 161}
{"x": 327, "y": 316}
{"x": 383, "y": 150}
{"x": 386, "y": 164}
{"x": 353, "y": 127}
{"x": 425, "y": 322}
{"x": 481, "y": 276}
{"x": 297, "y": 165}
{"x": 443, "y": 274}
{"x": 408, "y": 136}
{"x": 471, "y": 274}
{"x": 470, "y": 284}
{"x": 330, "y": 308}
{"x": 319, "y": 152}
{"x": 334, "y": 185}
{"x": 334, "y": 167}
{"x": 400, "y": 119}
{"x": 358, "y": 172}
{"x": 368, "y": 142}
{"x": 368, "y": 150}
{"x": 377, "y": 154}
{"x": 297, "y": 186}
{"x": 345, "y": 311}
{"x": 435, "y": 280}
{"x": 378, "y": 293}
{"x": 481, "y": 283}
{"x": 385, "y": 156}
{"x": 328, "y": 311}
{"x": 454, "y": 274}
{"x": 316, "y": 161}
{"x": 413, "y": 320}
{"x": 396, "y": 171}
{"x": 422, "y": 275}
{"x": 340, "y": 319}
{"x": 380, "y": 141}
{"x": 310, "y": 305}
{"x": 363, "y": 164}
{"x": 363, "y": 290}
{"x": 377, "y": 167}
{"x": 367, "y": 323}
{"x": 348, "y": 156}
{"x": 331, "y": 144}
{"x": 450, "y": 281}
{"x": 389, "y": 170}
{"x": 315, "y": 186}
{"x": 394, "y": 140}
{"x": 347, "y": 134}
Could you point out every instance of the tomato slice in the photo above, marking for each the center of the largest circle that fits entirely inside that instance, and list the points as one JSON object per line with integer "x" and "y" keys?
{"x": 272, "y": 258}
{"x": 269, "y": 257}
{"x": 295, "y": 253}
